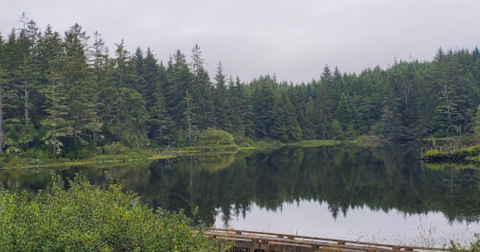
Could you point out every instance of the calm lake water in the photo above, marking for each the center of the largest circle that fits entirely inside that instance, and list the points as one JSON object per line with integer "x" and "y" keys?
{"x": 379, "y": 194}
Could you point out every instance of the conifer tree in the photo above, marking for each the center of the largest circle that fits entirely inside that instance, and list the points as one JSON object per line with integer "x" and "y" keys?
{"x": 221, "y": 101}
{"x": 190, "y": 118}
{"x": 80, "y": 84}
{"x": 241, "y": 104}
{"x": 324, "y": 103}
{"x": 55, "y": 93}
{"x": 7, "y": 96}
{"x": 138, "y": 62}
{"x": 27, "y": 72}
{"x": 336, "y": 130}
{"x": 179, "y": 79}
{"x": 263, "y": 101}
{"x": 125, "y": 110}
{"x": 201, "y": 90}
{"x": 309, "y": 121}
{"x": 344, "y": 112}
{"x": 149, "y": 78}
{"x": 279, "y": 127}
{"x": 98, "y": 62}
{"x": 3, "y": 83}
{"x": 477, "y": 122}
{"x": 391, "y": 122}
{"x": 446, "y": 93}
{"x": 294, "y": 131}
{"x": 160, "y": 122}
{"x": 392, "y": 126}
{"x": 57, "y": 120}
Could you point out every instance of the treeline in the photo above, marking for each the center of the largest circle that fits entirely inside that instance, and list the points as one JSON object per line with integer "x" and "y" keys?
{"x": 68, "y": 94}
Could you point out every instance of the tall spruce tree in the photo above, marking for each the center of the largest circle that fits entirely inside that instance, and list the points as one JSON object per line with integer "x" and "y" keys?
{"x": 279, "y": 127}
{"x": 27, "y": 73}
{"x": 344, "y": 112}
{"x": 126, "y": 115}
{"x": 446, "y": 93}
{"x": 98, "y": 64}
{"x": 3, "y": 83}
{"x": 241, "y": 104}
{"x": 57, "y": 120}
{"x": 179, "y": 78}
{"x": 80, "y": 85}
{"x": 221, "y": 103}
{"x": 55, "y": 93}
{"x": 190, "y": 118}
{"x": 324, "y": 102}
{"x": 201, "y": 90}
{"x": 153, "y": 77}
{"x": 263, "y": 101}
{"x": 7, "y": 98}
{"x": 309, "y": 121}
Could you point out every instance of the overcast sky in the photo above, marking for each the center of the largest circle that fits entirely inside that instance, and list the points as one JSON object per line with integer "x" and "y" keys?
{"x": 293, "y": 39}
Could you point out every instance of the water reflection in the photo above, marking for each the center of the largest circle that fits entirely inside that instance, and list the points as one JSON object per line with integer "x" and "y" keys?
{"x": 342, "y": 178}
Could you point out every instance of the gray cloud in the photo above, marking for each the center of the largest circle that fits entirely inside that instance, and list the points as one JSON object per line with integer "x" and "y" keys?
{"x": 293, "y": 39}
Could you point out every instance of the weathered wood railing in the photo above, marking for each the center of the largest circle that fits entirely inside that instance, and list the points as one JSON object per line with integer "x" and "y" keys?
{"x": 261, "y": 241}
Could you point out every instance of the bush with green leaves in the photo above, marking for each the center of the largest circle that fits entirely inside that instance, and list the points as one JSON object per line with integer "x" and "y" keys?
{"x": 90, "y": 218}
{"x": 474, "y": 246}
{"x": 213, "y": 136}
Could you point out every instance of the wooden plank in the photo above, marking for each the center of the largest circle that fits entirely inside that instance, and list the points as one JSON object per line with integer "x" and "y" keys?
{"x": 291, "y": 244}
{"x": 302, "y": 240}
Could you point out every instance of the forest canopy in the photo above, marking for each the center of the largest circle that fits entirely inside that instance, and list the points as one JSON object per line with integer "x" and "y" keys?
{"x": 67, "y": 94}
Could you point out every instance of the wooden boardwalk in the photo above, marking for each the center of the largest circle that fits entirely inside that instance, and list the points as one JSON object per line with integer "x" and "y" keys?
{"x": 261, "y": 241}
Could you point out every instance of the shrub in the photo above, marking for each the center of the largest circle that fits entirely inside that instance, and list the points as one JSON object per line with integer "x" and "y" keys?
{"x": 474, "y": 247}
{"x": 215, "y": 137}
{"x": 88, "y": 218}
{"x": 432, "y": 152}
{"x": 114, "y": 148}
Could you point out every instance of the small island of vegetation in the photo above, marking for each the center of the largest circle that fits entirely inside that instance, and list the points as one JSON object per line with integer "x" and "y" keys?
{"x": 456, "y": 152}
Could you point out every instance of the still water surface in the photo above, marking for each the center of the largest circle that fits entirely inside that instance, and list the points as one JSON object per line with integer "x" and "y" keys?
{"x": 380, "y": 194}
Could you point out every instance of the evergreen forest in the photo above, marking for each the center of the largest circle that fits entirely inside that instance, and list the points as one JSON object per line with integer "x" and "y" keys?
{"x": 67, "y": 94}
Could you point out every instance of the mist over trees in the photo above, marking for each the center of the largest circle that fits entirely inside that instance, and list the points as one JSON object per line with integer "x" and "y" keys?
{"x": 68, "y": 94}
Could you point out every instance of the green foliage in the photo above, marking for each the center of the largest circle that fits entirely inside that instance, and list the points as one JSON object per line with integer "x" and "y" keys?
{"x": 215, "y": 137}
{"x": 474, "y": 247}
{"x": 351, "y": 133}
{"x": 344, "y": 112}
{"x": 309, "y": 121}
{"x": 391, "y": 125}
{"x": 61, "y": 93}
{"x": 114, "y": 148}
{"x": 458, "y": 154}
{"x": 89, "y": 218}
{"x": 432, "y": 152}
{"x": 336, "y": 130}
{"x": 477, "y": 122}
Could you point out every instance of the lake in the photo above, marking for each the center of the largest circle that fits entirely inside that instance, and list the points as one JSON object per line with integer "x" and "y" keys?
{"x": 376, "y": 194}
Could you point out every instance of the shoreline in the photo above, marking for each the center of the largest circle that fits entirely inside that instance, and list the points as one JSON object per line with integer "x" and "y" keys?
{"x": 137, "y": 156}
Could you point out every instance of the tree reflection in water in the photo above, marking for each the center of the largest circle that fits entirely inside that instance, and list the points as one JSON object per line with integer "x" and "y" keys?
{"x": 344, "y": 177}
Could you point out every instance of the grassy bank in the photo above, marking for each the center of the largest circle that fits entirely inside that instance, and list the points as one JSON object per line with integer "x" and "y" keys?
{"x": 101, "y": 160}
{"x": 122, "y": 155}
{"x": 471, "y": 153}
